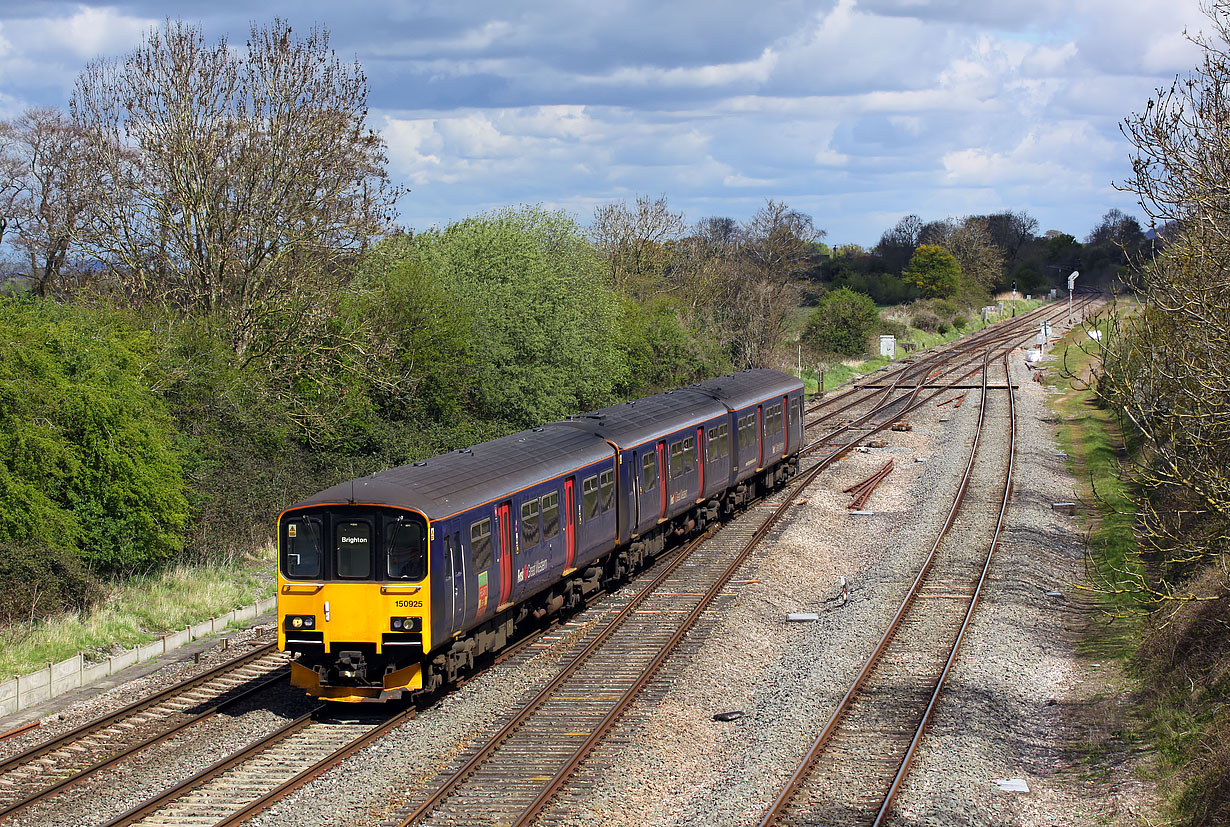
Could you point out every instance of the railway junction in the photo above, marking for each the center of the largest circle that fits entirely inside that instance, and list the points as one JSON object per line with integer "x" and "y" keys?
{"x": 905, "y": 661}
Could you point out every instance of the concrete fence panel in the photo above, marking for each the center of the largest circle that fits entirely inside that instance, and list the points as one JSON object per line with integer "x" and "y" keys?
{"x": 24, "y": 691}
{"x": 8, "y": 697}
{"x": 34, "y": 688}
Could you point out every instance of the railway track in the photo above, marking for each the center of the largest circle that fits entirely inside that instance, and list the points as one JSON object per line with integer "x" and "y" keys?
{"x": 605, "y": 679}
{"x": 856, "y": 764}
{"x": 918, "y": 370}
{"x": 516, "y": 773}
{"x": 48, "y": 768}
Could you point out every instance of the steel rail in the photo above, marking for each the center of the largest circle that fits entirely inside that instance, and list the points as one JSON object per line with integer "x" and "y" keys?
{"x": 908, "y": 758}
{"x": 782, "y": 802}
{"x": 90, "y": 727}
{"x": 495, "y": 741}
{"x": 145, "y": 743}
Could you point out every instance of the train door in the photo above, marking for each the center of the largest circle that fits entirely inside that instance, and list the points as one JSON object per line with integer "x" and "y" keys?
{"x": 760, "y": 436}
{"x": 459, "y": 579}
{"x": 662, "y": 479}
{"x": 570, "y": 521}
{"x": 785, "y": 422}
{"x": 700, "y": 460}
{"x": 505, "y": 550}
{"x": 635, "y": 484}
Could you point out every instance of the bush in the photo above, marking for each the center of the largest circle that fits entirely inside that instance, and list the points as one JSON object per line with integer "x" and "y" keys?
{"x": 841, "y": 323}
{"x": 37, "y": 581}
{"x": 87, "y": 455}
{"x": 926, "y": 319}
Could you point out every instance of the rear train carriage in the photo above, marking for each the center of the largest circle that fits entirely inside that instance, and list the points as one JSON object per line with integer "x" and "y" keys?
{"x": 398, "y": 581}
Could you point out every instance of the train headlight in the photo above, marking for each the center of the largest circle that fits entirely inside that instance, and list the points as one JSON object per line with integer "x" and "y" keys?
{"x": 406, "y": 624}
{"x": 300, "y": 621}
{"x": 296, "y": 623}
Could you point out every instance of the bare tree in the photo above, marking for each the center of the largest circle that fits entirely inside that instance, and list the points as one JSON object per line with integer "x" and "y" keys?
{"x": 52, "y": 193}
{"x": 1167, "y": 368}
{"x": 970, "y": 242}
{"x": 232, "y": 181}
{"x": 637, "y": 242}
{"x": 1010, "y": 232}
{"x": 760, "y": 295}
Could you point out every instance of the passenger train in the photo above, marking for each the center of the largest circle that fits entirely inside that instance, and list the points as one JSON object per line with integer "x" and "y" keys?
{"x": 397, "y": 582}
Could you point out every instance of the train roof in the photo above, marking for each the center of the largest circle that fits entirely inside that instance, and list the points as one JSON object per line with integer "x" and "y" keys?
{"x": 644, "y": 419}
{"x": 738, "y": 390}
{"x": 468, "y": 477}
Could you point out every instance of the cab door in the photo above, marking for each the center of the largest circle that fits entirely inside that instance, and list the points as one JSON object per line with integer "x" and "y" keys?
{"x": 503, "y": 512}
{"x": 458, "y": 569}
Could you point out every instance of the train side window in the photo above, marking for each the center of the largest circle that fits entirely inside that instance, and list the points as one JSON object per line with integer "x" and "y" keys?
{"x": 746, "y": 427}
{"x": 689, "y": 455}
{"x": 480, "y": 545}
{"x": 608, "y": 490}
{"x": 354, "y": 549}
{"x": 676, "y": 459}
{"x": 531, "y": 532}
{"x": 713, "y": 446}
{"x": 724, "y": 439}
{"x": 649, "y": 472}
{"x": 777, "y": 418}
{"x": 302, "y": 548}
{"x": 406, "y": 548}
{"x": 794, "y": 410}
{"x": 589, "y": 497}
{"x": 550, "y": 515}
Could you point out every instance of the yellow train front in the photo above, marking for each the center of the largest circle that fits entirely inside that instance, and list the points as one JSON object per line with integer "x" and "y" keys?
{"x": 354, "y": 599}
{"x": 399, "y": 582}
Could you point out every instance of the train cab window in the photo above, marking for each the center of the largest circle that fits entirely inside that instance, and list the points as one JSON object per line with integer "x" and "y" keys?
{"x": 608, "y": 490}
{"x": 589, "y": 498}
{"x": 677, "y": 459}
{"x": 302, "y": 549}
{"x": 531, "y": 531}
{"x": 649, "y": 472}
{"x": 550, "y": 515}
{"x": 354, "y": 549}
{"x": 480, "y": 545}
{"x": 689, "y": 455}
{"x": 405, "y": 546}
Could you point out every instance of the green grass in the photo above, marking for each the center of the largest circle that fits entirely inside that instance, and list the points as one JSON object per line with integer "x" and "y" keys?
{"x": 137, "y": 612}
{"x": 1091, "y": 438}
{"x": 842, "y": 372}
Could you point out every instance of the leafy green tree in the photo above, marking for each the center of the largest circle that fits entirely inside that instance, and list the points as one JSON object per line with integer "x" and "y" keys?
{"x": 841, "y": 323}
{"x": 934, "y": 271}
{"x": 542, "y": 317}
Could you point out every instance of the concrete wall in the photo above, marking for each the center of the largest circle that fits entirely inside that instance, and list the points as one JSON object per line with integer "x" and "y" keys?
{"x": 57, "y": 678}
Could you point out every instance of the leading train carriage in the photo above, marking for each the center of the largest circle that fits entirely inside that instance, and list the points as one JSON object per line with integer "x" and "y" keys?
{"x": 398, "y": 581}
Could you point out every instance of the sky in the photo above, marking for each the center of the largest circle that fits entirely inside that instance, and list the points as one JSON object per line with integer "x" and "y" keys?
{"x": 856, "y": 112}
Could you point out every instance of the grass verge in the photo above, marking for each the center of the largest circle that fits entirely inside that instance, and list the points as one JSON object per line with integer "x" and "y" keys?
{"x": 1091, "y": 438}
{"x": 138, "y": 611}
